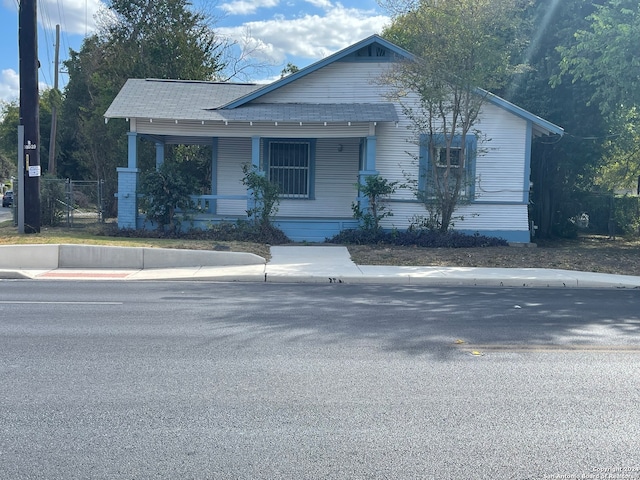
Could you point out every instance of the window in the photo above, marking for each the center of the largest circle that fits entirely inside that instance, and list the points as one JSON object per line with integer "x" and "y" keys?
{"x": 454, "y": 156}
{"x": 290, "y": 166}
{"x": 426, "y": 182}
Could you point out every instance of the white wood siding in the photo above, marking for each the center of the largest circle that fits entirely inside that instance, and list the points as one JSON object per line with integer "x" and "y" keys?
{"x": 232, "y": 154}
{"x": 475, "y": 216}
{"x": 501, "y": 179}
{"x": 500, "y": 166}
{"x": 336, "y": 174}
{"x": 335, "y": 178}
{"x": 339, "y": 82}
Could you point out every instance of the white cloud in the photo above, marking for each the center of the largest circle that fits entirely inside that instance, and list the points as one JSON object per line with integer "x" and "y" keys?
{"x": 9, "y": 85}
{"x": 75, "y": 17}
{"x": 309, "y": 36}
{"x": 326, "y": 4}
{"x": 246, "y": 7}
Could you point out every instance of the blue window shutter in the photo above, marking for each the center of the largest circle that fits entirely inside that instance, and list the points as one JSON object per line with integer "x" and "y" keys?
{"x": 312, "y": 169}
{"x": 424, "y": 167}
{"x": 470, "y": 165}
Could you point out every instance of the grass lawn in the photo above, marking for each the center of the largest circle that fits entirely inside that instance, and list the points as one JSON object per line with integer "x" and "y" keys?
{"x": 589, "y": 253}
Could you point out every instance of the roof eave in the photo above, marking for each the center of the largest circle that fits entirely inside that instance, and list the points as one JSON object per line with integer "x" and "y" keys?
{"x": 544, "y": 127}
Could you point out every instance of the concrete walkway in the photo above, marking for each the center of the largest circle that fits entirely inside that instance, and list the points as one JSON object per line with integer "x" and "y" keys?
{"x": 288, "y": 264}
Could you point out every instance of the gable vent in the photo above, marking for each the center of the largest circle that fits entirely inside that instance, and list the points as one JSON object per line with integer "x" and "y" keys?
{"x": 372, "y": 51}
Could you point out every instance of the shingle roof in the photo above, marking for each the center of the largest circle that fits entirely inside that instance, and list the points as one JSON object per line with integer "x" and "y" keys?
{"x": 174, "y": 99}
{"x": 185, "y": 100}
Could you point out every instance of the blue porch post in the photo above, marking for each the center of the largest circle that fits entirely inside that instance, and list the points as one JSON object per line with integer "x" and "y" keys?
{"x": 128, "y": 186}
{"x": 159, "y": 155}
{"x": 369, "y": 168}
{"x": 213, "y": 207}
{"x": 255, "y": 165}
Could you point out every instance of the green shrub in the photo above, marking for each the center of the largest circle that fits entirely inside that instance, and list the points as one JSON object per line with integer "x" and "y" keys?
{"x": 242, "y": 231}
{"x": 165, "y": 192}
{"x": 418, "y": 238}
{"x": 265, "y": 196}
{"x": 374, "y": 189}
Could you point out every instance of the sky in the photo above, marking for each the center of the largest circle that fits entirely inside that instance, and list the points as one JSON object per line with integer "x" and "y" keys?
{"x": 276, "y": 31}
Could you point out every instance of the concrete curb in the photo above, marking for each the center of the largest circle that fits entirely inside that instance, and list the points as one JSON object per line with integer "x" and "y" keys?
{"x": 316, "y": 265}
{"x": 96, "y": 256}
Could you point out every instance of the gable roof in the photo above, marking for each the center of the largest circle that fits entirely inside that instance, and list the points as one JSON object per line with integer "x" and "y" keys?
{"x": 372, "y": 40}
{"x": 201, "y": 101}
{"x": 540, "y": 125}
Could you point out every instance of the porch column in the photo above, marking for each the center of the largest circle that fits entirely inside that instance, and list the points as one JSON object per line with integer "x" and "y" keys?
{"x": 213, "y": 207}
{"x": 132, "y": 159}
{"x": 369, "y": 167}
{"x": 159, "y": 155}
{"x": 255, "y": 164}
{"x": 128, "y": 186}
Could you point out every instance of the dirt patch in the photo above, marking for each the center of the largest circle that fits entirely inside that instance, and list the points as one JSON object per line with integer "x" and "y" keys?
{"x": 589, "y": 254}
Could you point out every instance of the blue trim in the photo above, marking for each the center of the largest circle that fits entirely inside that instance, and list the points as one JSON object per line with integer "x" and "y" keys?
{"x": 314, "y": 230}
{"x": 214, "y": 173}
{"x": 159, "y": 154}
{"x": 312, "y": 162}
{"x": 317, "y": 66}
{"x": 318, "y": 230}
{"x": 132, "y": 149}
{"x": 255, "y": 152}
{"x": 371, "y": 149}
{"x": 424, "y": 161}
{"x": 527, "y": 163}
{"x": 478, "y": 202}
{"x": 255, "y": 163}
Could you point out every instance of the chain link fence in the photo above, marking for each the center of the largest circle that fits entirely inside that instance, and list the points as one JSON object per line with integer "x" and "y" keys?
{"x": 71, "y": 203}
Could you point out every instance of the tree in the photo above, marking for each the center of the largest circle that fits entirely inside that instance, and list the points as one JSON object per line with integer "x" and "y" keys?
{"x": 160, "y": 39}
{"x": 290, "y": 69}
{"x": 621, "y": 166}
{"x": 460, "y": 45}
{"x": 137, "y": 39}
{"x": 561, "y": 169}
{"x": 604, "y": 54}
{"x": 9, "y": 121}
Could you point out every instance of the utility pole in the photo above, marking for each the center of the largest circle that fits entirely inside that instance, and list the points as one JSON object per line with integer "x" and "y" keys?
{"x": 54, "y": 108}
{"x": 29, "y": 113}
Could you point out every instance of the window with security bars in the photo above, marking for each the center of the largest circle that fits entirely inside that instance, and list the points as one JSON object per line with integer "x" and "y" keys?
{"x": 289, "y": 168}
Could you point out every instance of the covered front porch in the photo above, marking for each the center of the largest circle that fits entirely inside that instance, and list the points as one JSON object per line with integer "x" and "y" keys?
{"x": 317, "y": 175}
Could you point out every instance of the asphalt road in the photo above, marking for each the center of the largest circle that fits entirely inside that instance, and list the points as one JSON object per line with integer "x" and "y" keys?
{"x": 265, "y": 381}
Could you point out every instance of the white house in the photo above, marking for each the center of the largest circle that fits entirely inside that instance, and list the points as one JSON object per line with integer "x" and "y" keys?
{"x": 318, "y": 133}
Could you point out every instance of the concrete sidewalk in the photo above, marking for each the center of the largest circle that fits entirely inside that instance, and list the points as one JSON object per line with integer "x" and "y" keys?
{"x": 288, "y": 264}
